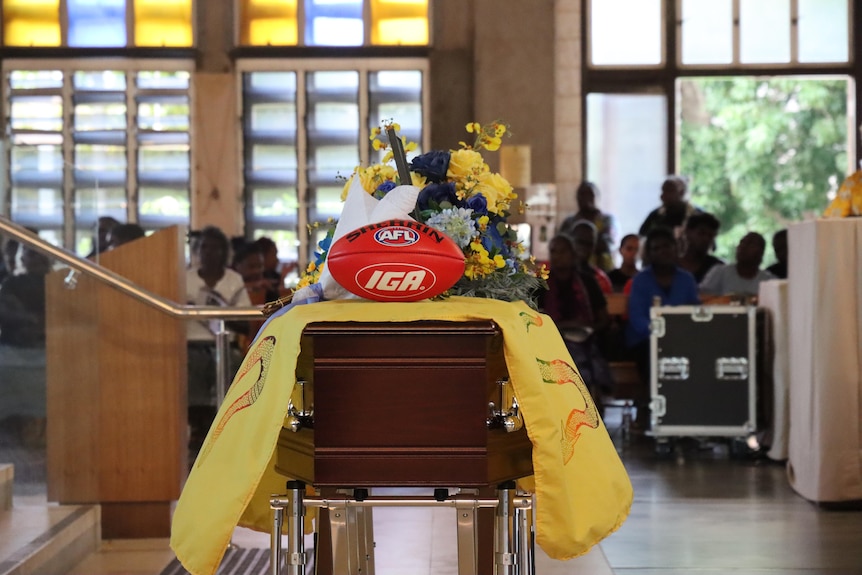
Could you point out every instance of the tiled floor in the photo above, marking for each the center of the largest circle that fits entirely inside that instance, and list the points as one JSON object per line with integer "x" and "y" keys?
{"x": 700, "y": 513}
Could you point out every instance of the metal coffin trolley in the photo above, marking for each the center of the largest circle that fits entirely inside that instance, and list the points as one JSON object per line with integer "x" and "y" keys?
{"x": 703, "y": 371}
{"x": 412, "y": 404}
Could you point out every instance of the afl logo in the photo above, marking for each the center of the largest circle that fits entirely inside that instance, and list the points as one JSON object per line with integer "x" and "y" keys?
{"x": 396, "y": 236}
{"x": 395, "y": 281}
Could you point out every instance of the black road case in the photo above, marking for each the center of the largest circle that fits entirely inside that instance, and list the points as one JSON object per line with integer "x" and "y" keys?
{"x": 703, "y": 371}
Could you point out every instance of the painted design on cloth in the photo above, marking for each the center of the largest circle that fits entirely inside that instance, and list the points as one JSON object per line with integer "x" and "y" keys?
{"x": 559, "y": 372}
{"x": 262, "y": 353}
{"x": 531, "y": 320}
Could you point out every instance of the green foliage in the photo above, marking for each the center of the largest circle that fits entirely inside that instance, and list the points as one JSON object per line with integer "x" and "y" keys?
{"x": 765, "y": 152}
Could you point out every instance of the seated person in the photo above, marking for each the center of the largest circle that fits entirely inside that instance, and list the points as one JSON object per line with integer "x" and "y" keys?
{"x": 273, "y": 271}
{"x": 248, "y": 262}
{"x": 664, "y": 280}
{"x": 699, "y": 240}
{"x": 578, "y": 307}
{"x": 585, "y": 196}
{"x": 8, "y": 257}
{"x": 123, "y": 234}
{"x": 740, "y": 279}
{"x": 585, "y": 233}
{"x": 104, "y": 225}
{"x": 629, "y": 248}
{"x": 779, "y": 247}
{"x": 209, "y": 282}
{"x": 674, "y": 209}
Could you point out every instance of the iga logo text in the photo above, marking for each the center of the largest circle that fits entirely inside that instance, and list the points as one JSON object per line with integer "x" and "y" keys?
{"x": 395, "y": 280}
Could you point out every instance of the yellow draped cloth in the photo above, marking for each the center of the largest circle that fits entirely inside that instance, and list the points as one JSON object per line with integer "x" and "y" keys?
{"x": 582, "y": 490}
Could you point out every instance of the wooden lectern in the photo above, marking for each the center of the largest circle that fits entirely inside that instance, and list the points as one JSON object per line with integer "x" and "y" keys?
{"x": 403, "y": 404}
{"x": 116, "y": 390}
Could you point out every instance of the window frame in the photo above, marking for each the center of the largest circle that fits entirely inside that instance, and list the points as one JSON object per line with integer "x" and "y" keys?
{"x": 301, "y": 36}
{"x": 131, "y": 41}
{"x": 301, "y": 66}
{"x": 69, "y": 222}
{"x": 645, "y": 80}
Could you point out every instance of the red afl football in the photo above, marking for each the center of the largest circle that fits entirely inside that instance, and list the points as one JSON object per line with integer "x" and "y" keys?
{"x": 396, "y": 260}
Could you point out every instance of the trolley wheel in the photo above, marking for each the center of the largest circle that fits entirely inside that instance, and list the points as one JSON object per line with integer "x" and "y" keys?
{"x": 664, "y": 446}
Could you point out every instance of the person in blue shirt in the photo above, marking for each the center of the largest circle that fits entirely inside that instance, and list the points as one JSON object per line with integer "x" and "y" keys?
{"x": 665, "y": 281}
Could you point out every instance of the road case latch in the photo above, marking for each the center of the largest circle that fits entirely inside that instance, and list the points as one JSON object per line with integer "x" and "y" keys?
{"x": 701, "y": 313}
{"x": 658, "y": 407}
{"x": 673, "y": 368}
{"x": 731, "y": 368}
{"x": 656, "y": 326}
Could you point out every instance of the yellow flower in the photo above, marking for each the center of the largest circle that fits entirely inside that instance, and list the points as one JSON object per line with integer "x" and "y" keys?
{"x": 372, "y": 176}
{"x": 497, "y": 191}
{"x": 492, "y": 144}
{"x": 465, "y": 163}
{"x": 418, "y": 180}
{"x": 474, "y": 127}
{"x": 345, "y": 189}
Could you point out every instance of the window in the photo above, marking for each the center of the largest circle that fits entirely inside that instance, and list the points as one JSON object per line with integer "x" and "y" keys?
{"x": 625, "y": 32}
{"x": 97, "y": 23}
{"x": 755, "y": 101}
{"x": 333, "y": 23}
{"x": 71, "y": 146}
{"x": 763, "y": 32}
{"x": 268, "y": 23}
{"x": 294, "y": 171}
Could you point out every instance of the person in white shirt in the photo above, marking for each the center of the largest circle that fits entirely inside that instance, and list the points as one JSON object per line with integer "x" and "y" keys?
{"x": 742, "y": 278}
{"x": 210, "y": 282}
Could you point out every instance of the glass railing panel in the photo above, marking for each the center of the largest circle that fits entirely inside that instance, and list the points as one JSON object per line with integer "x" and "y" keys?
{"x": 23, "y": 366}
{"x": 44, "y": 305}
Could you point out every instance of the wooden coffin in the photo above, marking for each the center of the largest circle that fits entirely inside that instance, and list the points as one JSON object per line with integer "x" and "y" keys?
{"x": 402, "y": 404}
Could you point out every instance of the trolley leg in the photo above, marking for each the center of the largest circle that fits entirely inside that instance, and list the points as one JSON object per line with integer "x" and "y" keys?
{"x": 505, "y": 558}
{"x": 343, "y": 552}
{"x": 365, "y": 520}
{"x": 360, "y": 535}
{"x": 468, "y": 541}
{"x": 295, "y": 560}
{"x": 275, "y": 541}
{"x": 524, "y": 537}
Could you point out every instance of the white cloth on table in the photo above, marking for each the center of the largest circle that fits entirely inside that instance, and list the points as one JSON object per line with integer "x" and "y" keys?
{"x": 825, "y": 271}
{"x": 773, "y": 298}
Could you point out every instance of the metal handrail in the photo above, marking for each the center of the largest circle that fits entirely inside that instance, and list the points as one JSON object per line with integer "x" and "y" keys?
{"x": 122, "y": 284}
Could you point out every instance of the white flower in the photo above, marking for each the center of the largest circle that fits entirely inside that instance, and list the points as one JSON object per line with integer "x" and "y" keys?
{"x": 457, "y": 223}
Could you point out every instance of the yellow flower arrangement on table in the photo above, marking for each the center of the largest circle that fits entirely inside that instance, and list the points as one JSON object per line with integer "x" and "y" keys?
{"x": 460, "y": 196}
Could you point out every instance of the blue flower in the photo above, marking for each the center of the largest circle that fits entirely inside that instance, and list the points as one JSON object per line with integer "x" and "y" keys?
{"x": 432, "y": 165}
{"x": 493, "y": 239}
{"x": 433, "y": 196}
{"x": 384, "y": 189}
{"x": 478, "y": 204}
{"x": 324, "y": 246}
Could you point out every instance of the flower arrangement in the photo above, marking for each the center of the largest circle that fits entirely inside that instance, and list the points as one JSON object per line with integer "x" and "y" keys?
{"x": 461, "y": 197}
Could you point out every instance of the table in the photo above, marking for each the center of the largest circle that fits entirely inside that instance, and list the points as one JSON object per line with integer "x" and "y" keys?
{"x": 772, "y": 297}
{"x": 825, "y": 323}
